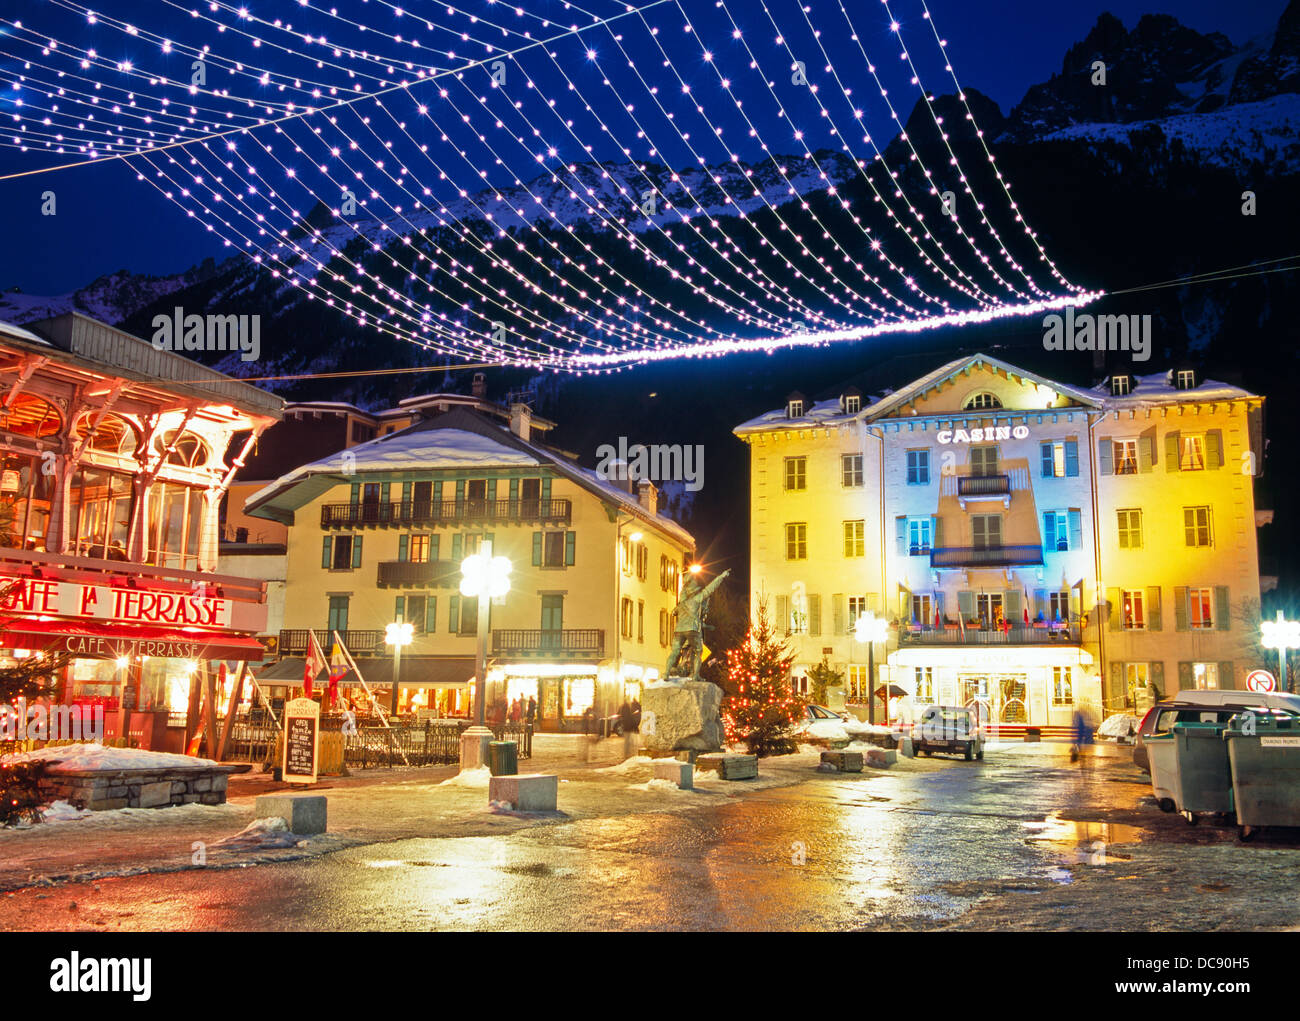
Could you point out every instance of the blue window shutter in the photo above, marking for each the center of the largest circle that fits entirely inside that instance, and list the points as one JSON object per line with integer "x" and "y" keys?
{"x": 514, "y": 490}
{"x": 1076, "y": 530}
{"x": 433, "y": 547}
{"x": 431, "y": 615}
{"x": 570, "y": 542}
{"x": 1072, "y": 458}
{"x": 923, "y": 467}
{"x": 492, "y": 538}
{"x": 403, "y": 547}
{"x": 1045, "y": 450}
{"x": 437, "y": 491}
{"x": 900, "y": 534}
{"x": 406, "y": 492}
{"x": 385, "y": 492}
{"x": 400, "y": 609}
{"x": 356, "y": 551}
{"x": 326, "y": 551}
{"x": 453, "y": 618}
{"x": 1105, "y": 454}
{"x": 537, "y": 549}
{"x": 1049, "y": 531}
{"x": 492, "y": 490}
{"x": 546, "y": 488}
{"x": 356, "y": 492}
{"x": 456, "y": 546}
{"x": 460, "y": 490}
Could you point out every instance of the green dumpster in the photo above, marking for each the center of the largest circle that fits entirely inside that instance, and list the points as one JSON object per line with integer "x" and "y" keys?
{"x": 503, "y": 758}
{"x": 1265, "y": 770}
{"x": 1202, "y": 774}
{"x": 1160, "y": 757}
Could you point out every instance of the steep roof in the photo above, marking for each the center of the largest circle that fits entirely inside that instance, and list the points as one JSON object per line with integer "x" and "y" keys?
{"x": 1158, "y": 388}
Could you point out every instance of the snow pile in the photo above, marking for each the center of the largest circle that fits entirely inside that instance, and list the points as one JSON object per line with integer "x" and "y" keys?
{"x": 59, "y": 811}
{"x": 260, "y": 834}
{"x": 475, "y": 778}
{"x": 1119, "y": 725}
{"x": 656, "y": 785}
{"x": 102, "y": 758}
{"x": 628, "y": 765}
{"x": 826, "y": 730}
{"x": 856, "y": 728}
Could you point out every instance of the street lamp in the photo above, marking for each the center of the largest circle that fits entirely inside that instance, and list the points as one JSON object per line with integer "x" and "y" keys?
{"x": 1281, "y": 634}
{"x": 397, "y": 634}
{"x": 872, "y": 629}
{"x": 484, "y": 578}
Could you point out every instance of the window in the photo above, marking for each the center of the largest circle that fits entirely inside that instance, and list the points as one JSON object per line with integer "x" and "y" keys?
{"x": 642, "y": 562}
{"x": 796, "y": 541}
{"x": 663, "y": 628}
{"x": 1185, "y": 379}
{"x": 101, "y": 505}
{"x": 628, "y": 555}
{"x": 342, "y": 552}
{"x": 1060, "y": 459}
{"x": 362, "y": 433}
{"x": 796, "y": 473}
{"x": 1130, "y": 528}
{"x": 1192, "y": 456}
{"x": 1196, "y": 526}
{"x": 859, "y": 683}
{"x": 855, "y": 538}
{"x": 918, "y": 536}
{"x": 852, "y": 404}
{"x": 1062, "y": 686}
{"x": 468, "y": 624}
{"x": 1120, "y": 385}
{"x": 857, "y": 607}
{"x": 1056, "y": 531}
{"x": 986, "y": 530}
{"x": 1135, "y": 617}
{"x": 1137, "y": 677}
{"x": 187, "y": 450}
{"x": 1126, "y": 457}
{"x": 625, "y": 618}
{"x": 554, "y": 549}
{"x": 794, "y": 409}
{"x": 640, "y": 620}
{"x": 418, "y": 549}
{"x": 924, "y": 684}
{"x": 1058, "y": 606}
{"x": 851, "y": 470}
{"x": 1201, "y": 608}
{"x": 918, "y": 467}
{"x": 417, "y": 610}
{"x": 338, "y": 613}
{"x": 669, "y": 572}
{"x": 922, "y": 609}
{"x": 988, "y": 607}
{"x": 982, "y": 400}
{"x": 983, "y": 461}
{"x": 1205, "y": 676}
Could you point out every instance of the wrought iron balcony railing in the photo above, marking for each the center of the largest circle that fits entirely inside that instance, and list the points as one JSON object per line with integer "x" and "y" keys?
{"x": 293, "y": 642}
{"x": 429, "y": 574}
{"x": 955, "y": 634}
{"x": 984, "y": 485}
{"x": 985, "y": 556}
{"x": 431, "y": 512}
{"x": 572, "y": 642}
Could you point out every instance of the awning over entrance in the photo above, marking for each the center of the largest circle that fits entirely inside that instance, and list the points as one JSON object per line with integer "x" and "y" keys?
{"x": 92, "y": 640}
{"x": 417, "y": 671}
{"x": 976, "y": 658}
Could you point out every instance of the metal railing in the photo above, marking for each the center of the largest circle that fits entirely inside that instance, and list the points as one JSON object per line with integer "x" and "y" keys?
{"x": 293, "y": 642}
{"x": 984, "y": 485}
{"x": 431, "y": 743}
{"x": 543, "y": 642}
{"x": 436, "y": 512}
{"x": 985, "y": 556}
{"x": 953, "y": 634}
{"x": 429, "y": 573}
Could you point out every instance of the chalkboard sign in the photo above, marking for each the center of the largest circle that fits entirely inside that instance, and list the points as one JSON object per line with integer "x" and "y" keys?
{"x": 301, "y": 741}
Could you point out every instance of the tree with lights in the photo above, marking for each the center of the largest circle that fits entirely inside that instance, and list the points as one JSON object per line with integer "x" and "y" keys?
{"x": 764, "y": 711}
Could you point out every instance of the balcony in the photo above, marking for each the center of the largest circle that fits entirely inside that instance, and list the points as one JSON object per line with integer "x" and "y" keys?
{"x": 985, "y": 556}
{"x": 293, "y": 642}
{"x": 445, "y": 512}
{"x": 573, "y": 643}
{"x": 983, "y": 485}
{"x": 429, "y": 574}
{"x": 953, "y": 634}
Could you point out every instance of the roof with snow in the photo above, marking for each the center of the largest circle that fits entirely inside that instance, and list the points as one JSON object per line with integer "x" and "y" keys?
{"x": 458, "y": 439}
{"x": 1159, "y": 388}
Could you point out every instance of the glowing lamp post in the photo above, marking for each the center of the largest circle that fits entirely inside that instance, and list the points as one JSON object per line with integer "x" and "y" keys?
{"x": 872, "y": 629}
{"x": 397, "y": 634}
{"x": 1281, "y": 634}
{"x": 483, "y": 578}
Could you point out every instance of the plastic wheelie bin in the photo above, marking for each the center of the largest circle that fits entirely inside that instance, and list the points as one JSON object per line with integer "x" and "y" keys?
{"x": 1202, "y": 775}
{"x": 503, "y": 758}
{"x": 1160, "y": 756}
{"x": 1265, "y": 770}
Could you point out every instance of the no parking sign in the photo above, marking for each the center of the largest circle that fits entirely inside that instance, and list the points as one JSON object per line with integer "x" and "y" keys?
{"x": 1261, "y": 680}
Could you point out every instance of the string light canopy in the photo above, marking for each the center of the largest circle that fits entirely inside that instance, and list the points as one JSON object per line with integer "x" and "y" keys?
{"x": 565, "y": 186}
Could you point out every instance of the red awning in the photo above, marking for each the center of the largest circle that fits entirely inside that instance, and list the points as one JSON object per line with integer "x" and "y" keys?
{"x": 95, "y": 640}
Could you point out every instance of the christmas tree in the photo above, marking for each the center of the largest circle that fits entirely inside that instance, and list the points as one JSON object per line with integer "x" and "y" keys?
{"x": 763, "y": 711}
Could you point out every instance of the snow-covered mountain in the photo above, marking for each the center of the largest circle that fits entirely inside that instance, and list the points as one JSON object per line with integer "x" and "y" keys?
{"x": 112, "y": 298}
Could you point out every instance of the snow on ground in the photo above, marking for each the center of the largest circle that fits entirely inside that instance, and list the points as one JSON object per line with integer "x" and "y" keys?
{"x": 127, "y": 818}
{"x": 260, "y": 834}
{"x": 101, "y": 757}
{"x": 826, "y": 730}
{"x": 628, "y": 765}
{"x": 856, "y": 728}
{"x": 477, "y": 778}
{"x": 656, "y": 785}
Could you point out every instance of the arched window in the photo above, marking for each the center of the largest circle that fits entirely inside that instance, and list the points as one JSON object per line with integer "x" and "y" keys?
{"x": 188, "y": 451}
{"x": 983, "y": 399}
{"x": 113, "y": 434}
{"x": 31, "y": 416}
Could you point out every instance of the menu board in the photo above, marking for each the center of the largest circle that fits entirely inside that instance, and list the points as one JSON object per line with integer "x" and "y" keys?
{"x": 301, "y": 741}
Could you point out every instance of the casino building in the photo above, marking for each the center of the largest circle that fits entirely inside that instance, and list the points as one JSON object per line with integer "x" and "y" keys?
{"x": 1033, "y": 546}
{"x": 113, "y": 463}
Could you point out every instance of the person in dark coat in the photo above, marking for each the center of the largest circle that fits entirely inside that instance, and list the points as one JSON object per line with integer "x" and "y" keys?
{"x": 626, "y": 719}
{"x": 530, "y": 714}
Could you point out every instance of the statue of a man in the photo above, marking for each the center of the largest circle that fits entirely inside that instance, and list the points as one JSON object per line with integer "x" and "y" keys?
{"x": 688, "y": 640}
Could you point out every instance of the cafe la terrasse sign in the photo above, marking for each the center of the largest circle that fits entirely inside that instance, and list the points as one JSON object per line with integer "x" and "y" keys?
{"x": 41, "y": 597}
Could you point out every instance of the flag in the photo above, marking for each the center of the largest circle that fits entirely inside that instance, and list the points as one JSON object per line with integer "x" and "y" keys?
{"x": 938, "y": 620}
{"x": 314, "y": 664}
{"x": 338, "y": 668}
{"x": 1026, "y": 605}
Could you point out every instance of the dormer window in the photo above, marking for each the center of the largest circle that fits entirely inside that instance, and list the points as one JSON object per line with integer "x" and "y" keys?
{"x": 794, "y": 405}
{"x": 979, "y": 401}
{"x": 1185, "y": 379}
{"x": 1120, "y": 385}
{"x": 852, "y": 404}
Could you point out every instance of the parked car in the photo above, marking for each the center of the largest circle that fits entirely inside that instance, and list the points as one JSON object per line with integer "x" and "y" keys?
{"x": 813, "y": 712}
{"x": 951, "y": 729}
{"x": 1203, "y": 707}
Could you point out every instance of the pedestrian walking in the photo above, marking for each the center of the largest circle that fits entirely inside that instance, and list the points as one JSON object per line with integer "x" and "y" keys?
{"x": 531, "y": 711}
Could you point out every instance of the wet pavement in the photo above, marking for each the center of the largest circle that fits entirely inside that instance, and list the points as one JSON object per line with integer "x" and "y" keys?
{"x": 1023, "y": 840}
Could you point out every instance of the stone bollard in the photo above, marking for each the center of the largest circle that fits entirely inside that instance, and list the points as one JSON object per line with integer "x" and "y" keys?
{"x": 304, "y": 814}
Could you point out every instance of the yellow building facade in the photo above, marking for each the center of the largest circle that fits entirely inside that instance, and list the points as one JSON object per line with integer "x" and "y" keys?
{"x": 1034, "y": 547}
{"x": 377, "y": 533}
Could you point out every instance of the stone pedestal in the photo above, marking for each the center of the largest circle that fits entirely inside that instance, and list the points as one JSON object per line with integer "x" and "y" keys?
{"x": 304, "y": 814}
{"x": 474, "y": 748}
{"x": 681, "y": 715}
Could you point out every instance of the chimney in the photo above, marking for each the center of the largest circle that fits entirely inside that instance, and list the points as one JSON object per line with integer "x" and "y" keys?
{"x": 479, "y": 386}
{"x": 648, "y": 495}
{"x": 521, "y": 421}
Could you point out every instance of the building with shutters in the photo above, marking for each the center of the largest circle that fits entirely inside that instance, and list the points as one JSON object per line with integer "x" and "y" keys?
{"x": 1035, "y": 546}
{"x": 376, "y": 531}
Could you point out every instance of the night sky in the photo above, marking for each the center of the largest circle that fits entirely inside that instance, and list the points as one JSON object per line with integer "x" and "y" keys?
{"x": 107, "y": 220}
